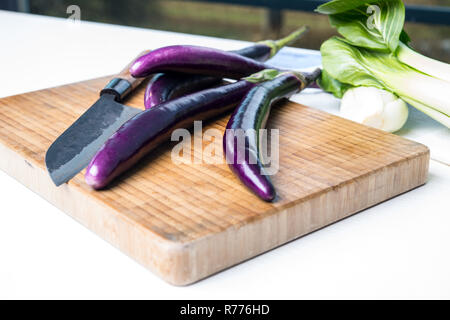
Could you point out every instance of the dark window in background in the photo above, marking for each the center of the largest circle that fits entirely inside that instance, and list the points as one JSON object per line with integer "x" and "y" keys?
{"x": 232, "y": 21}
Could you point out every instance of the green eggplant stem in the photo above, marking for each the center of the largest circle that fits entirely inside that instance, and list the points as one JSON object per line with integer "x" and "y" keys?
{"x": 276, "y": 45}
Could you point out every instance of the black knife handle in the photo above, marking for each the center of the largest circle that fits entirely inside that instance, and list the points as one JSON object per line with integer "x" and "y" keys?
{"x": 123, "y": 83}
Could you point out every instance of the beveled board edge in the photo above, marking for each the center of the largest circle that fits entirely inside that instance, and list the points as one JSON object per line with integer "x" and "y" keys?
{"x": 184, "y": 263}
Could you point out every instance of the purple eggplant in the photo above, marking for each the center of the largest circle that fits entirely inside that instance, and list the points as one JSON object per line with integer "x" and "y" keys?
{"x": 136, "y": 137}
{"x": 196, "y": 60}
{"x": 166, "y": 86}
{"x": 249, "y": 118}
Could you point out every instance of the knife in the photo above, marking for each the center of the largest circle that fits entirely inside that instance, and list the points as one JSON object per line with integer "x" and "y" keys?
{"x": 73, "y": 150}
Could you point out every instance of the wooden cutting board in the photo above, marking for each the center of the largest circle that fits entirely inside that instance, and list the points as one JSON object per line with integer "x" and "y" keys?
{"x": 187, "y": 221}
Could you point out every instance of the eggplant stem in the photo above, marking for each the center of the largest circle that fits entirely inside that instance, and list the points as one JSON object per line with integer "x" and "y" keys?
{"x": 305, "y": 78}
{"x": 276, "y": 45}
{"x": 310, "y": 77}
{"x": 264, "y": 75}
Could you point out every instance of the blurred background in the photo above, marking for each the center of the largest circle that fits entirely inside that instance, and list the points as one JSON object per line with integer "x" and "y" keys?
{"x": 245, "y": 20}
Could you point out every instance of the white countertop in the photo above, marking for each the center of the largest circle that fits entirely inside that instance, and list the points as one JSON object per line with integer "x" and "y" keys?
{"x": 397, "y": 249}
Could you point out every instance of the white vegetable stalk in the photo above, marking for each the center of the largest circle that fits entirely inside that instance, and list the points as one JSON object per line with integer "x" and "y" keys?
{"x": 374, "y": 107}
{"x": 436, "y": 115}
{"x": 422, "y": 63}
{"x": 429, "y": 91}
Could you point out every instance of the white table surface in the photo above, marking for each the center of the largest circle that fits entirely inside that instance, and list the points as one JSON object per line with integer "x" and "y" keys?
{"x": 397, "y": 249}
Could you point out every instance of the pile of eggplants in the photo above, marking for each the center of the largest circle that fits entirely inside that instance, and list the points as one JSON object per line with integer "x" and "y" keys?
{"x": 186, "y": 87}
{"x": 166, "y": 86}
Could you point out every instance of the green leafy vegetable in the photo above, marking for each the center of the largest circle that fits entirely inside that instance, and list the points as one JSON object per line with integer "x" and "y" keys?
{"x": 375, "y": 53}
{"x": 361, "y": 67}
{"x": 378, "y": 25}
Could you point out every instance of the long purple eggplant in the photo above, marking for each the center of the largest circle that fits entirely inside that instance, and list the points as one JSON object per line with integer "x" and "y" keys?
{"x": 243, "y": 157}
{"x": 196, "y": 60}
{"x": 167, "y": 86}
{"x": 136, "y": 137}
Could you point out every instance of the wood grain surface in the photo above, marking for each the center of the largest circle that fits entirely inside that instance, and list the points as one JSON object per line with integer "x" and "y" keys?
{"x": 187, "y": 221}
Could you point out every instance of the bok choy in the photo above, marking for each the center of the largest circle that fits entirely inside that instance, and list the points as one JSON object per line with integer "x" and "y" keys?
{"x": 349, "y": 65}
{"x": 378, "y": 25}
{"x": 375, "y": 53}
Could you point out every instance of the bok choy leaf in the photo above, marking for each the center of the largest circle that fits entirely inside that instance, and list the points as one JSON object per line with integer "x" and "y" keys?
{"x": 375, "y": 27}
{"x": 339, "y": 6}
{"x": 378, "y": 25}
{"x": 330, "y": 84}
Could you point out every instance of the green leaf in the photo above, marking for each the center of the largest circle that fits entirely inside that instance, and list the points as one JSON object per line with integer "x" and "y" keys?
{"x": 355, "y": 32}
{"x": 330, "y": 84}
{"x": 339, "y": 6}
{"x": 348, "y": 64}
{"x": 404, "y": 37}
{"x": 378, "y": 26}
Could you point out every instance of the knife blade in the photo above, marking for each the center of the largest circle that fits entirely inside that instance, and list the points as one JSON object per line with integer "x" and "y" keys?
{"x": 72, "y": 151}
